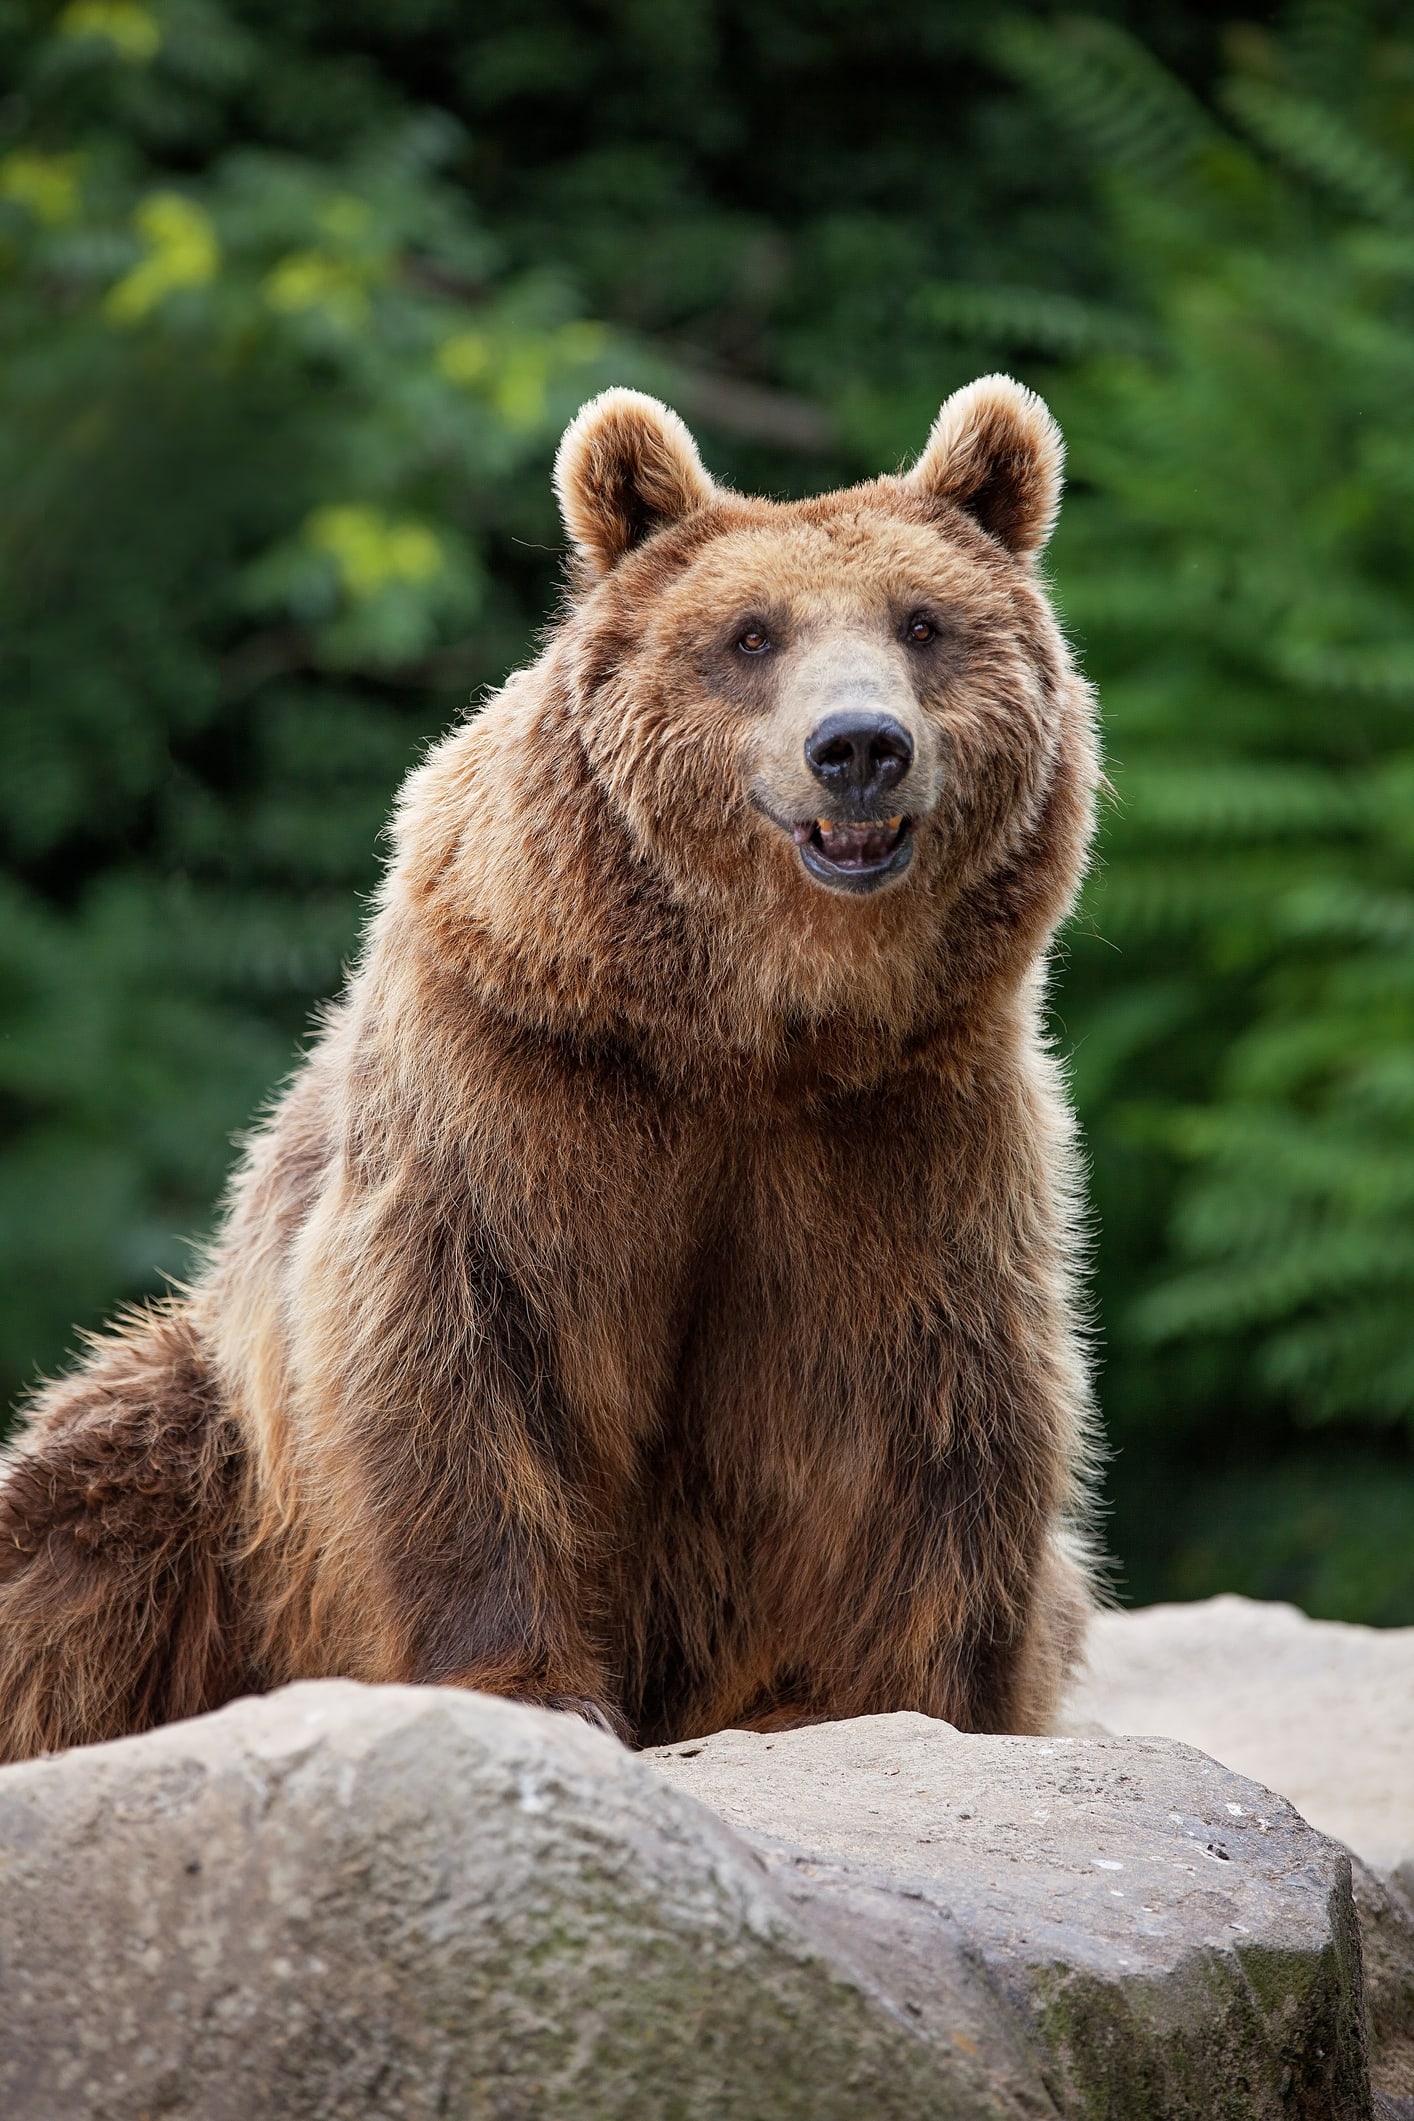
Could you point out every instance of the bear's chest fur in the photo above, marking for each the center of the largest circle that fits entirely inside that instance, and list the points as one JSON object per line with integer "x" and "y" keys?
{"x": 802, "y": 1354}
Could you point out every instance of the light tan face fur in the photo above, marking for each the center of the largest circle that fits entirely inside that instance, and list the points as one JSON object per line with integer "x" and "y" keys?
{"x": 840, "y": 656}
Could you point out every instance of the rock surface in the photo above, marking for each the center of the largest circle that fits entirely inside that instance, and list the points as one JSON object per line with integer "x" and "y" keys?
{"x": 405, "y": 1902}
{"x": 1387, "y": 1939}
{"x": 1174, "y": 1939}
{"x": 1319, "y": 1710}
{"x": 343, "y": 1902}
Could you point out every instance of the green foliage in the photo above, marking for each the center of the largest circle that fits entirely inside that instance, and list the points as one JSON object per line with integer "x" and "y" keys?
{"x": 293, "y": 301}
{"x": 1237, "y": 565}
{"x": 266, "y": 417}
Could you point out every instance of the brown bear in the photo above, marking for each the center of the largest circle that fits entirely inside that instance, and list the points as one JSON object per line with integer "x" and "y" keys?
{"x": 652, "y": 1295}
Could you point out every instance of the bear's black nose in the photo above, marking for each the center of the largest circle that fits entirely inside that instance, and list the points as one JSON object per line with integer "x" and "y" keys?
{"x": 859, "y": 753}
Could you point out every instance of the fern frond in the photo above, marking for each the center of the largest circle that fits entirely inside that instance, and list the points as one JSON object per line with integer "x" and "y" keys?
{"x": 1359, "y": 1355}
{"x": 1346, "y": 910}
{"x": 1030, "y": 319}
{"x": 1224, "y": 799}
{"x": 1140, "y": 898}
{"x": 1386, "y": 667}
{"x": 1331, "y": 1268}
{"x": 1127, "y": 110}
{"x": 1317, "y": 144}
{"x": 1325, "y": 46}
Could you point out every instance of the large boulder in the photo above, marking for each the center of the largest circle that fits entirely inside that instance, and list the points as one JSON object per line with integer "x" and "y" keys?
{"x": 1318, "y": 1709}
{"x": 405, "y": 1902}
{"x": 1174, "y": 1939}
{"x": 346, "y": 1902}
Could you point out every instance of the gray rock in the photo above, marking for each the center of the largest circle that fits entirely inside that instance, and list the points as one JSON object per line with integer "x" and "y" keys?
{"x": 1386, "y": 1914}
{"x": 1318, "y": 1709}
{"x": 406, "y": 1902}
{"x": 398, "y": 1902}
{"x": 1175, "y": 1939}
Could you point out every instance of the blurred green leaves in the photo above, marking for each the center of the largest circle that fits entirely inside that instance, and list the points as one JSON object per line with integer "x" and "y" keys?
{"x": 1237, "y": 564}
{"x": 250, "y": 480}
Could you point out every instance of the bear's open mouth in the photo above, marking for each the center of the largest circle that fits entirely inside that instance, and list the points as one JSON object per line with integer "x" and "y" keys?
{"x": 855, "y": 856}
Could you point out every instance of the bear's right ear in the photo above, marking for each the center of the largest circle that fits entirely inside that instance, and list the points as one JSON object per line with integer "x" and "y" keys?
{"x": 996, "y": 453}
{"x": 626, "y": 467}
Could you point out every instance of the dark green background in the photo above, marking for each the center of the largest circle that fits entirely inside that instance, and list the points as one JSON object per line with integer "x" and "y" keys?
{"x": 294, "y": 300}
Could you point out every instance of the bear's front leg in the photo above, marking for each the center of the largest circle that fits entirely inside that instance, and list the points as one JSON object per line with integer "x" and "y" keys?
{"x": 969, "y": 1597}
{"x": 596, "y": 1710}
{"x": 497, "y": 1588}
{"x": 461, "y": 1499}
{"x": 514, "y": 1629}
{"x": 981, "y": 1599}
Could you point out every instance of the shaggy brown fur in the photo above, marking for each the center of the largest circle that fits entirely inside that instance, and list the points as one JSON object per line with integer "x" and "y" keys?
{"x": 651, "y": 1297}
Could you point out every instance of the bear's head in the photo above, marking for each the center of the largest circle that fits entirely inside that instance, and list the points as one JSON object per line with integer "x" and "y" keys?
{"x": 814, "y": 758}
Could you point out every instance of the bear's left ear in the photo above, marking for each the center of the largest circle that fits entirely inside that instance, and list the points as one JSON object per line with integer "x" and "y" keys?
{"x": 996, "y": 453}
{"x": 626, "y": 467}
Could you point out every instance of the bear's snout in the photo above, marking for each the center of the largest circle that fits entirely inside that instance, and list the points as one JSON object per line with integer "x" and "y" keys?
{"x": 848, "y": 763}
{"x": 859, "y": 757}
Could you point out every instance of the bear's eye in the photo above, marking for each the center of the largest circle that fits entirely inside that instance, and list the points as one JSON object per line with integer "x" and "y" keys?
{"x": 920, "y": 629}
{"x": 754, "y": 641}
